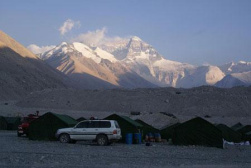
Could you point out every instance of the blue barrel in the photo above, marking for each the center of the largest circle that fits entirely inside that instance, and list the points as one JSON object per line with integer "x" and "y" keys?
{"x": 137, "y": 138}
{"x": 129, "y": 138}
{"x": 150, "y": 137}
{"x": 157, "y": 137}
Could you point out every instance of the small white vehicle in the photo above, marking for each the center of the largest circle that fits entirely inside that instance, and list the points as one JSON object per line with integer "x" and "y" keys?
{"x": 103, "y": 132}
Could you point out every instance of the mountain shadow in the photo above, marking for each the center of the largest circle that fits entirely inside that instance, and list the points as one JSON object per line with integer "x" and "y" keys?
{"x": 21, "y": 75}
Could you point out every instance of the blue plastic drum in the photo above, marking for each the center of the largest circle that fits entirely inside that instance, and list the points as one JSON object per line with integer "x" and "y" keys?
{"x": 129, "y": 138}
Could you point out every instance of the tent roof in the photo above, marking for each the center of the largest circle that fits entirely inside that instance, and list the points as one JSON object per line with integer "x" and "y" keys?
{"x": 170, "y": 126}
{"x": 80, "y": 119}
{"x": 244, "y": 129}
{"x": 65, "y": 118}
{"x": 131, "y": 121}
{"x": 229, "y": 134}
{"x": 127, "y": 119}
{"x": 248, "y": 133}
{"x": 197, "y": 131}
{"x": 144, "y": 123}
{"x": 237, "y": 126}
{"x": 2, "y": 117}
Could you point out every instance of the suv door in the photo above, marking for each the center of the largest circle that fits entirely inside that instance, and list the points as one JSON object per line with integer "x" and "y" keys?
{"x": 79, "y": 131}
{"x": 86, "y": 130}
{"x": 93, "y": 129}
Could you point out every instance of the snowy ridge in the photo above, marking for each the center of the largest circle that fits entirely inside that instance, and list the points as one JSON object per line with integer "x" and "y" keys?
{"x": 203, "y": 75}
{"x": 86, "y": 51}
{"x": 239, "y": 67}
{"x": 105, "y": 55}
{"x": 134, "y": 55}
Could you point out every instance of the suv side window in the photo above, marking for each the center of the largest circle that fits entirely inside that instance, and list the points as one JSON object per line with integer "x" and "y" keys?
{"x": 105, "y": 124}
{"x": 93, "y": 124}
{"x": 82, "y": 125}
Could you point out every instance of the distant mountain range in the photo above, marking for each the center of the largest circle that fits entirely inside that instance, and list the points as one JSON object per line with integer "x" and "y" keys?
{"x": 129, "y": 63}
{"x": 132, "y": 63}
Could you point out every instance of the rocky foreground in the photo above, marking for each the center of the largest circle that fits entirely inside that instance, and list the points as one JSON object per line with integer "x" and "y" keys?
{"x": 21, "y": 152}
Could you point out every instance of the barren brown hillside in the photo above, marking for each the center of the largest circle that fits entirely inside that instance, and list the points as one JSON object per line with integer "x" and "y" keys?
{"x": 21, "y": 72}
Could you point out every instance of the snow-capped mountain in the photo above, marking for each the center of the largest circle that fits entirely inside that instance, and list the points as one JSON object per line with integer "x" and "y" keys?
{"x": 239, "y": 67}
{"x": 132, "y": 63}
{"x": 147, "y": 62}
{"x": 92, "y": 67}
{"x": 203, "y": 75}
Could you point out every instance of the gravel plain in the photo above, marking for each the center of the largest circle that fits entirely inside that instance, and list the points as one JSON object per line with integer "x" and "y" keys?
{"x": 22, "y": 152}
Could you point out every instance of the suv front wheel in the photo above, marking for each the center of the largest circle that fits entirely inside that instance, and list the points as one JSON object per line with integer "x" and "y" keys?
{"x": 102, "y": 140}
{"x": 64, "y": 138}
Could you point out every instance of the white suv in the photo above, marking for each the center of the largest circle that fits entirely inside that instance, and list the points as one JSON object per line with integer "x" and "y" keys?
{"x": 101, "y": 131}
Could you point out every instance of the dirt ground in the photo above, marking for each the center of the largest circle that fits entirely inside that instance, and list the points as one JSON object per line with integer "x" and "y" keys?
{"x": 21, "y": 152}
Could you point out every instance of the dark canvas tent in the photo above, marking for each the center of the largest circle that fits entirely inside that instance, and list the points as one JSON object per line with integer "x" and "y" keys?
{"x": 3, "y": 123}
{"x": 167, "y": 132}
{"x": 146, "y": 128}
{"x": 244, "y": 129}
{"x": 45, "y": 127}
{"x": 80, "y": 119}
{"x": 248, "y": 136}
{"x": 229, "y": 134}
{"x": 126, "y": 124}
{"x": 237, "y": 126}
{"x": 197, "y": 131}
{"x": 13, "y": 122}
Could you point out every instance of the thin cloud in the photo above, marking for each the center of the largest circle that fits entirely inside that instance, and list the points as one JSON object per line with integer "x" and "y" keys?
{"x": 68, "y": 25}
{"x": 38, "y": 50}
{"x": 96, "y": 37}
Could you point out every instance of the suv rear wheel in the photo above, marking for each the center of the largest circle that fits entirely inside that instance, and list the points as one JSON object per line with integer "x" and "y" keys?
{"x": 64, "y": 138}
{"x": 102, "y": 140}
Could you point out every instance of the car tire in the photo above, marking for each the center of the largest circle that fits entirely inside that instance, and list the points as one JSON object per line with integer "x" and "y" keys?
{"x": 102, "y": 140}
{"x": 64, "y": 138}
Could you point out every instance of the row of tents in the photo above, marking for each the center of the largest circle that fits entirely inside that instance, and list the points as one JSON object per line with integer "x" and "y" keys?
{"x": 196, "y": 131}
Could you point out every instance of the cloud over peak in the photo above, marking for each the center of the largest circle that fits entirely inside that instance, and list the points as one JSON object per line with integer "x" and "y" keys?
{"x": 68, "y": 25}
{"x": 37, "y": 50}
{"x": 96, "y": 37}
{"x": 91, "y": 38}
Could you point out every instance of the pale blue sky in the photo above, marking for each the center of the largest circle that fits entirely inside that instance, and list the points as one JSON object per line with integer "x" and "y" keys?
{"x": 192, "y": 31}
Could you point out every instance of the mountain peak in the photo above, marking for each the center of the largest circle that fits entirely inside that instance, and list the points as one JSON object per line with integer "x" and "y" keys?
{"x": 63, "y": 44}
{"x": 135, "y": 38}
{"x": 7, "y": 41}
